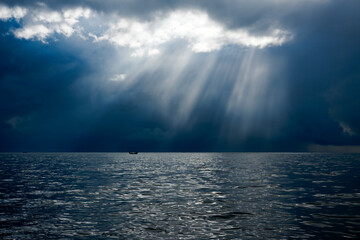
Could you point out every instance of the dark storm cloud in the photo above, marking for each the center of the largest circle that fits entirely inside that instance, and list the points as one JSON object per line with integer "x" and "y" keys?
{"x": 324, "y": 75}
{"x": 51, "y": 99}
{"x": 38, "y": 107}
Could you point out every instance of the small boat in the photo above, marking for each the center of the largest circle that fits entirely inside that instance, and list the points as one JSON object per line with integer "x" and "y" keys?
{"x": 133, "y": 152}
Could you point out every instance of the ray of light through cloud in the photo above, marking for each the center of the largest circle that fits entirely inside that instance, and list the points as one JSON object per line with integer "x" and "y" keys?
{"x": 179, "y": 51}
{"x": 256, "y": 97}
{"x": 229, "y": 75}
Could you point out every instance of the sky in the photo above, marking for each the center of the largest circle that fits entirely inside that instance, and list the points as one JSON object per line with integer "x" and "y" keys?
{"x": 167, "y": 75}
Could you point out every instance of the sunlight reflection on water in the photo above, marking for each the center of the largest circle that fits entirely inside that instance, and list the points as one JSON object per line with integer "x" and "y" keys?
{"x": 179, "y": 196}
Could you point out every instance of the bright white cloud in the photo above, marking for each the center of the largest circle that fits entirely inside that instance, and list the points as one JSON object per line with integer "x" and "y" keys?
{"x": 201, "y": 32}
{"x": 8, "y": 13}
{"x": 72, "y": 16}
{"x": 40, "y": 23}
{"x": 118, "y": 78}
{"x": 196, "y": 28}
{"x": 48, "y": 16}
{"x": 33, "y": 31}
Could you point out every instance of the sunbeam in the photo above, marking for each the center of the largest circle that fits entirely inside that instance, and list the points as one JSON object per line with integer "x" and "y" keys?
{"x": 194, "y": 90}
{"x": 226, "y": 75}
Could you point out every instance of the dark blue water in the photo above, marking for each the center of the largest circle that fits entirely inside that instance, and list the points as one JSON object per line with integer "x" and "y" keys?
{"x": 179, "y": 196}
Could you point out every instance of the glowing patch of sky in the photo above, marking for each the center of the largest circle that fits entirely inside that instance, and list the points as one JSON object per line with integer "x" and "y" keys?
{"x": 196, "y": 27}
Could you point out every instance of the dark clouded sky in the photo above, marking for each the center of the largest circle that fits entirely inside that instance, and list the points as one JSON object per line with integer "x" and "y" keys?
{"x": 166, "y": 75}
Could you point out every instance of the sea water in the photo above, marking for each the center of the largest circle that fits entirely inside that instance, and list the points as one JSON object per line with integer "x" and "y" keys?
{"x": 179, "y": 196}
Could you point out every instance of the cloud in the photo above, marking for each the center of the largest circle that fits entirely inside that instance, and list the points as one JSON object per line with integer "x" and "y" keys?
{"x": 41, "y": 22}
{"x": 14, "y": 121}
{"x": 195, "y": 27}
{"x": 346, "y": 129}
{"x": 33, "y": 31}
{"x": 202, "y": 33}
{"x": 217, "y": 87}
{"x": 14, "y": 12}
{"x": 118, "y": 78}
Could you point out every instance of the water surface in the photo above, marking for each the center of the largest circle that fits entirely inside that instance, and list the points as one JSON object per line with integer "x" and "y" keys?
{"x": 179, "y": 196}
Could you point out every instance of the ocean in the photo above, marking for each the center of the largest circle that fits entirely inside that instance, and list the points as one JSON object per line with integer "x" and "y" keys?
{"x": 179, "y": 196}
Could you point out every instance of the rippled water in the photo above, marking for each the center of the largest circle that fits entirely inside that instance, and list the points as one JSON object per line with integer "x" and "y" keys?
{"x": 179, "y": 196}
